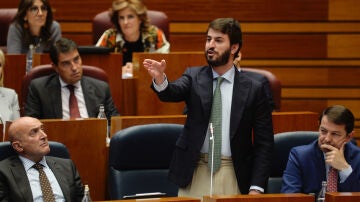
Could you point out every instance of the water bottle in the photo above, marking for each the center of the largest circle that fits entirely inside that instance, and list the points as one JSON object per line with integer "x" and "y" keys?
{"x": 86, "y": 197}
{"x": 102, "y": 115}
{"x": 29, "y": 58}
{"x": 321, "y": 196}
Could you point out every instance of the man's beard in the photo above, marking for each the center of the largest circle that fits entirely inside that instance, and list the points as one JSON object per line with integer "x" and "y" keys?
{"x": 221, "y": 60}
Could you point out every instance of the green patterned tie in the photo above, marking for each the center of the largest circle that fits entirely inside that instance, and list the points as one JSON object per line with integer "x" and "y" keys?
{"x": 215, "y": 119}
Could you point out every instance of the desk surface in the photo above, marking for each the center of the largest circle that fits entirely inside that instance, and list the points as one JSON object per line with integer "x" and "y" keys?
{"x": 163, "y": 199}
{"x": 261, "y": 198}
{"x": 343, "y": 197}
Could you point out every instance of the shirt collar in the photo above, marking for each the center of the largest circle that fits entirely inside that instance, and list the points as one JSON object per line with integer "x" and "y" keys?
{"x": 63, "y": 84}
{"x": 228, "y": 76}
{"x": 29, "y": 163}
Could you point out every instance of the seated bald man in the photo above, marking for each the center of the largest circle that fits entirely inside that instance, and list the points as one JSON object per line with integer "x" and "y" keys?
{"x": 20, "y": 180}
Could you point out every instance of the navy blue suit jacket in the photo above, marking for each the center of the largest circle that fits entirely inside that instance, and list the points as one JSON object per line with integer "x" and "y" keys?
{"x": 306, "y": 170}
{"x": 250, "y": 112}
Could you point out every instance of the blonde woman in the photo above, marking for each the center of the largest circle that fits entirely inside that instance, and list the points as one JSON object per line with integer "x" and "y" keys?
{"x": 9, "y": 104}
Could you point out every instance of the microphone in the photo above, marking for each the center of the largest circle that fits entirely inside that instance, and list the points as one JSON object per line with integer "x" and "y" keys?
{"x": 212, "y": 157}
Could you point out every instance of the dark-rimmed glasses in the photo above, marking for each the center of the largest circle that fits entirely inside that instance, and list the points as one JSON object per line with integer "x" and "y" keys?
{"x": 35, "y": 10}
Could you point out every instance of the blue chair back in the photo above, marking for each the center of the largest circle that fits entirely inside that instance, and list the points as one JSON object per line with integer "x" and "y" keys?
{"x": 283, "y": 143}
{"x": 57, "y": 149}
{"x": 139, "y": 158}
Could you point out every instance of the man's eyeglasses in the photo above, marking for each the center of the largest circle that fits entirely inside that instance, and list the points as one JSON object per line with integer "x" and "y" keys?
{"x": 35, "y": 10}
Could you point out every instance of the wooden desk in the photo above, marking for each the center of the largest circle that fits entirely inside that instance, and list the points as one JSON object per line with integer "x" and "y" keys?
{"x": 164, "y": 199}
{"x": 282, "y": 121}
{"x": 85, "y": 140}
{"x": 15, "y": 70}
{"x": 343, "y": 197}
{"x": 261, "y": 198}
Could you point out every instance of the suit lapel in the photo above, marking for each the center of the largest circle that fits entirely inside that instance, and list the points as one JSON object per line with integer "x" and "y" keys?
{"x": 240, "y": 94}
{"x": 89, "y": 96}
{"x": 55, "y": 97}
{"x": 21, "y": 179}
{"x": 57, "y": 172}
{"x": 205, "y": 88}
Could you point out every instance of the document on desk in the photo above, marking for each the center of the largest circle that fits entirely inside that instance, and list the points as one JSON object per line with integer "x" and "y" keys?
{"x": 145, "y": 195}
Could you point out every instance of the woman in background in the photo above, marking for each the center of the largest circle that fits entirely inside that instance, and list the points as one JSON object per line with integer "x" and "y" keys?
{"x": 33, "y": 24}
{"x": 9, "y": 104}
{"x": 132, "y": 31}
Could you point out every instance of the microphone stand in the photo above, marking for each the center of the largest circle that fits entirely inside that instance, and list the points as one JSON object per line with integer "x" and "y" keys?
{"x": 212, "y": 158}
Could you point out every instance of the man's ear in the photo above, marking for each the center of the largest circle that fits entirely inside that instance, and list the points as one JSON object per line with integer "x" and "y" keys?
{"x": 17, "y": 146}
{"x": 234, "y": 48}
{"x": 350, "y": 135}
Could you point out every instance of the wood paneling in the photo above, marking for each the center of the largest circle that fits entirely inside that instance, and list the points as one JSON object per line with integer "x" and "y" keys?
{"x": 85, "y": 140}
{"x": 244, "y": 10}
{"x": 321, "y": 93}
{"x": 262, "y": 46}
{"x": 344, "y": 45}
{"x": 273, "y": 27}
{"x": 344, "y": 10}
{"x": 284, "y": 46}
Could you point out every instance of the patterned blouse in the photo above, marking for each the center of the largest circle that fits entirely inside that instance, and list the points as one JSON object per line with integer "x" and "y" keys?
{"x": 153, "y": 40}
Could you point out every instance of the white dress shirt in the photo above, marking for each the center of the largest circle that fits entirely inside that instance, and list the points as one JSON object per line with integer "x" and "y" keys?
{"x": 33, "y": 176}
{"x": 65, "y": 95}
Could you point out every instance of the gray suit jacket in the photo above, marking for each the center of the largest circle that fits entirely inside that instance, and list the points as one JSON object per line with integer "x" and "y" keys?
{"x": 15, "y": 186}
{"x": 251, "y": 131}
{"x": 44, "y": 98}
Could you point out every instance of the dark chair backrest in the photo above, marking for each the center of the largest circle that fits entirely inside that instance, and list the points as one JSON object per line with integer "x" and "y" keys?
{"x": 43, "y": 70}
{"x": 6, "y": 17}
{"x": 275, "y": 85}
{"x": 283, "y": 143}
{"x": 57, "y": 149}
{"x": 102, "y": 22}
{"x": 139, "y": 158}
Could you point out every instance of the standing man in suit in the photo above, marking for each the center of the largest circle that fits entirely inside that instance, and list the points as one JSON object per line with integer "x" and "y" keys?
{"x": 246, "y": 131}
{"x": 19, "y": 180}
{"x": 49, "y": 96}
{"x": 308, "y": 165}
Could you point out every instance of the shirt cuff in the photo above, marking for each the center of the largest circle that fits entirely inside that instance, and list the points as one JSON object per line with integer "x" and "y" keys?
{"x": 344, "y": 174}
{"x": 161, "y": 87}
{"x": 253, "y": 187}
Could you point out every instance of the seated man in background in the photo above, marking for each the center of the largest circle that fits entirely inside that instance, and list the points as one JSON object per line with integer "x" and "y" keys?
{"x": 68, "y": 94}
{"x": 20, "y": 175}
{"x": 309, "y": 165}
